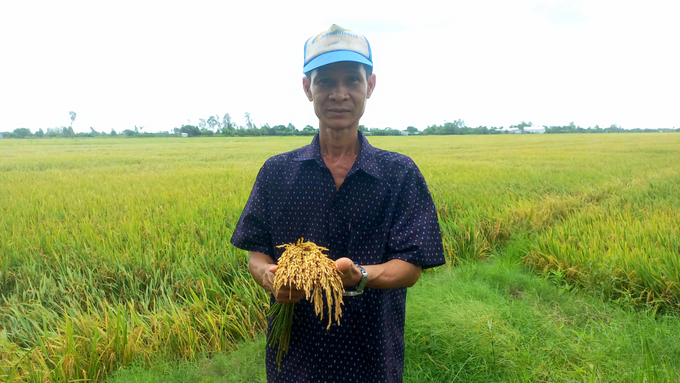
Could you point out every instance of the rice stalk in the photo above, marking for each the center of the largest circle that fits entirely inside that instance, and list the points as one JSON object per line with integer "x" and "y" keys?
{"x": 305, "y": 267}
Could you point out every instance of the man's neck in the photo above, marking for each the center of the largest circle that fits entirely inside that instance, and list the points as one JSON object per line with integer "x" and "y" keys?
{"x": 337, "y": 143}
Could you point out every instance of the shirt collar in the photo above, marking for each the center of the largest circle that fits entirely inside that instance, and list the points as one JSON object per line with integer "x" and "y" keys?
{"x": 365, "y": 160}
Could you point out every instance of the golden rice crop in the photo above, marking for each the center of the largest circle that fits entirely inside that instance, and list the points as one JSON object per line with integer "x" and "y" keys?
{"x": 117, "y": 250}
{"x": 305, "y": 267}
{"x": 626, "y": 248}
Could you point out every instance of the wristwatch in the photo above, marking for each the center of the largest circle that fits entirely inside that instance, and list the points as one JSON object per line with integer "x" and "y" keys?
{"x": 360, "y": 286}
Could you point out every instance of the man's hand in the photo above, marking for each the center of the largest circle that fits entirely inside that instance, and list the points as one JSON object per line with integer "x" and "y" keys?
{"x": 286, "y": 294}
{"x": 263, "y": 270}
{"x": 389, "y": 275}
{"x": 351, "y": 275}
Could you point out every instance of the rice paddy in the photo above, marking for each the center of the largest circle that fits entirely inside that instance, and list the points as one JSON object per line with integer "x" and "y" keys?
{"x": 116, "y": 252}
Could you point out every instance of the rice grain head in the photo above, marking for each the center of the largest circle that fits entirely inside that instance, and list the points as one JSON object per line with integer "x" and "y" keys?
{"x": 303, "y": 265}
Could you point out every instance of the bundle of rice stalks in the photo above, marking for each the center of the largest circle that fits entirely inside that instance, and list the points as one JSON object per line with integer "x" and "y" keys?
{"x": 305, "y": 267}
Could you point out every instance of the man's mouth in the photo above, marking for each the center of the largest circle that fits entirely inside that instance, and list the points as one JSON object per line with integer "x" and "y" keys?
{"x": 338, "y": 110}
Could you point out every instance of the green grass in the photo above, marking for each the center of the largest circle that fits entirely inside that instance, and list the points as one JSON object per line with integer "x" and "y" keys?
{"x": 491, "y": 322}
{"x": 115, "y": 252}
{"x": 497, "y": 323}
{"x": 246, "y": 364}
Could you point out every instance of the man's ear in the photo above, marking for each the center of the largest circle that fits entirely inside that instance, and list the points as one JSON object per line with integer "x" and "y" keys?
{"x": 307, "y": 86}
{"x": 371, "y": 85}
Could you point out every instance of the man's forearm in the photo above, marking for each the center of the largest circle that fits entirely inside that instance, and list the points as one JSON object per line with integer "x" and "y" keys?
{"x": 392, "y": 274}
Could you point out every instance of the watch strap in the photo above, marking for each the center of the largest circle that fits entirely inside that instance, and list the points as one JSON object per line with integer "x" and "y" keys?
{"x": 360, "y": 286}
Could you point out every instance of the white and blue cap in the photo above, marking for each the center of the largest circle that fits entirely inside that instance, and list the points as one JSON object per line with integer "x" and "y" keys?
{"x": 334, "y": 45}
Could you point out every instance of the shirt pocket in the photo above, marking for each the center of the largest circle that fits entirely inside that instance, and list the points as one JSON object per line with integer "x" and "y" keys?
{"x": 367, "y": 246}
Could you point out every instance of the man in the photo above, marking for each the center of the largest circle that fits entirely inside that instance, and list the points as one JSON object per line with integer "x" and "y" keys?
{"x": 371, "y": 208}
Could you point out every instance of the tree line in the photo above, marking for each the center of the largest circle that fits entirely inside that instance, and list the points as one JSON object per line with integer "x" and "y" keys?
{"x": 213, "y": 125}
{"x": 458, "y": 127}
{"x": 225, "y": 127}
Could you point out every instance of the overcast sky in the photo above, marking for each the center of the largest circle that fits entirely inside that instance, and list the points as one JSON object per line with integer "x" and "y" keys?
{"x": 161, "y": 64}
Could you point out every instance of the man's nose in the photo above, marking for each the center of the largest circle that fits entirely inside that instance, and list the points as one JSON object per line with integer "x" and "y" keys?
{"x": 339, "y": 93}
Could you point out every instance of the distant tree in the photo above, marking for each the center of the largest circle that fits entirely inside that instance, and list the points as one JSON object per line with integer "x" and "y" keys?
{"x": 384, "y": 132}
{"x": 480, "y": 130}
{"x": 613, "y": 128}
{"x": 308, "y": 131}
{"x": 278, "y": 130}
{"x": 190, "y": 130}
{"x": 39, "y": 133}
{"x": 67, "y": 131}
{"x": 571, "y": 128}
{"x": 249, "y": 121}
{"x": 226, "y": 122}
{"x": 129, "y": 133}
{"x": 282, "y": 130}
{"x": 73, "y": 117}
{"x": 22, "y": 132}
{"x": 412, "y": 130}
{"x": 362, "y": 128}
{"x": 212, "y": 123}
{"x": 93, "y": 132}
{"x": 113, "y": 132}
{"x": 201, "y": 123}
{"x": 53, "y": 132}
{"x": 228, "y": 128}
{"x": 266, "y": 130}
{"x": 456, "y": 127}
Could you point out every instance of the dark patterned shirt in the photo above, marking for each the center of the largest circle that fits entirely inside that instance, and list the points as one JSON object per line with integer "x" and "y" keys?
{"x": 382, "y": 211}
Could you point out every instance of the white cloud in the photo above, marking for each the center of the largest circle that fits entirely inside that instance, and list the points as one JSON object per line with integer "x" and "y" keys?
{"x": 159, "y": 64}
{"x": 561, "y": 12}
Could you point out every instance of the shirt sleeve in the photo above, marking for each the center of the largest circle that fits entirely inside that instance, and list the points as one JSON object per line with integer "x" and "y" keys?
{"x": 253, "y": 231}
{"x": 415, "y": 236}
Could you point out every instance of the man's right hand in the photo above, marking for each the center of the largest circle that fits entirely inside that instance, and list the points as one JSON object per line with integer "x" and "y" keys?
{"x": 286, "y": 294}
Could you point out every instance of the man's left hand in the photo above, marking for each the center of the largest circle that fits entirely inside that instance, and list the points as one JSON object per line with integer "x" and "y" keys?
{"x": 351, "y": 275}
{"x": 389, "y": 275}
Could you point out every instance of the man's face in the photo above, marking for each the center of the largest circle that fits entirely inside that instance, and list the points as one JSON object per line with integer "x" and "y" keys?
{"x": 339, "y": 92}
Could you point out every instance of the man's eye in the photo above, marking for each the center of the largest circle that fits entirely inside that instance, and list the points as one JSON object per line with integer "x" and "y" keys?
{"x": 354, "y": 78}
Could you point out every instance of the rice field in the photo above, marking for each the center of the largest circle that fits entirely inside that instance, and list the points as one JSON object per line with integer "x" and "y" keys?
{"x": 117, "y": 250}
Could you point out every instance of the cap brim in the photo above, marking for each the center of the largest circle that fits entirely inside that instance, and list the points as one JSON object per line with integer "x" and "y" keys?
{"x": 334, "y": 57}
